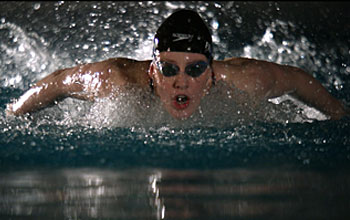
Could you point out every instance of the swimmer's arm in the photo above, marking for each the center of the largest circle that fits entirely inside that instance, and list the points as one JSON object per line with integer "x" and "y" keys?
{"x": 85, "y": 82}
{"x": 44, "y": 93}
{"x": 302, "y": 85}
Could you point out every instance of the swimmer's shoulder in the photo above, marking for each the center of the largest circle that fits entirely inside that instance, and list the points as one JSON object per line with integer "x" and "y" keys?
{"x": 248, "y": 75}
{"x": 121, "y": 71}
{"x": 100, "y": 79}
{"x": 235, "y": 68}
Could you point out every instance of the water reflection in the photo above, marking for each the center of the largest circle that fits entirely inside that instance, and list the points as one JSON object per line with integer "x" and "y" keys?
{"x": 174, "y": 194}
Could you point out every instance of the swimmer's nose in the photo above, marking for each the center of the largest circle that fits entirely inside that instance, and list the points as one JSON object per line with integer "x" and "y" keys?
{"x": 181, "y": 81}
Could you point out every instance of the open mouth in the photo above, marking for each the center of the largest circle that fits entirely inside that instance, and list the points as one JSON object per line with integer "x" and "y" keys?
{"x": 181, "y": 101}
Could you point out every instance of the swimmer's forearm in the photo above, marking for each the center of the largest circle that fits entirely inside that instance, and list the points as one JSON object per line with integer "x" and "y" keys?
{"x": 311, "y": 91}
{"x": 56, "y": 86}
{"x": 327, "y": 104}
{"x": 42, "y": 94}
{"x": 305, "y": 87}
{"x": 36, "y": 98}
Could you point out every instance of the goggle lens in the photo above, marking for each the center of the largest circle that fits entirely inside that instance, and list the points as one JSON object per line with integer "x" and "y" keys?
{"x": 193, "y": 69}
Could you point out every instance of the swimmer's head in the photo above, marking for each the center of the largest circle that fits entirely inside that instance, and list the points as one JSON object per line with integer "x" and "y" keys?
{"x": 183, "y": 31}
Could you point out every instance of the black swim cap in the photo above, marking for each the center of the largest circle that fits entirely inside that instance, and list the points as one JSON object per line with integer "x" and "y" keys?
{"x": 183, "y": 31}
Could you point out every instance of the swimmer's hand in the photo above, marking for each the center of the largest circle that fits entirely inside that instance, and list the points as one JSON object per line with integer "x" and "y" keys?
{"x": 347, "y": 112}
{"x": 339, "y": 113}
{"x": 9, "y": 110}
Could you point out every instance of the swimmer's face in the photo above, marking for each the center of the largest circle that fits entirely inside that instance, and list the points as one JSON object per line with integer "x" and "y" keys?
{"x": 181, "y": 93}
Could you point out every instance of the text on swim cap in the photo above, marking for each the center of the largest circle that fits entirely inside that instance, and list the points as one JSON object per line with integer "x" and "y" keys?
{"x": 180, "y": 36}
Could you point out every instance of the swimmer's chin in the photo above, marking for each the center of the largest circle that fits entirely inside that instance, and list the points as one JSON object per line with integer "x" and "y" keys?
{"x": 181, "y": 116}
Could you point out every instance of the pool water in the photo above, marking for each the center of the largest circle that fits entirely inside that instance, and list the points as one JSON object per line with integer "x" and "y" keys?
{"x": 128, "y": 159}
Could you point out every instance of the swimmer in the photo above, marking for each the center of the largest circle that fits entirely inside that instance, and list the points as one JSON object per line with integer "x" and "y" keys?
{"x": 181, "y": 72}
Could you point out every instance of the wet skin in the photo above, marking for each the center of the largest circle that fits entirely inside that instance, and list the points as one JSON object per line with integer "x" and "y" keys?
{"x": 181, "y": 94}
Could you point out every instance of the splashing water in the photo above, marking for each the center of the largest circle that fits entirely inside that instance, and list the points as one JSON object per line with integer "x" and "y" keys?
{"x": 132, "y": 158}
{"x": 23, "y": 57}
{"x": 32, "y": 48}
{"x": 118, "y": 30}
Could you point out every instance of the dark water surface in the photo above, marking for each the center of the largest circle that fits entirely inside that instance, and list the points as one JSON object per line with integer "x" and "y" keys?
{"x": 79, "y": 160}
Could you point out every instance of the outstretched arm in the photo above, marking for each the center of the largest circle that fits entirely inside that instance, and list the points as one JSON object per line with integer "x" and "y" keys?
{"x": 44, "y": 93}
{"x": 263, "y": 80}
{"x": 82, "y": 82}
{"x": 307, "y": 89}
{"x": 85, "y": 82}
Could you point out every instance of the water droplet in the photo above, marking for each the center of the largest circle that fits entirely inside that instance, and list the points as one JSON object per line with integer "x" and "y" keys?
{"x": 347, "y": 69}
{"x": 215, "y": 24}
{"x": 217, "y": 5}
{"x": 36, "y": 6}
{"x": 202, "y": 8}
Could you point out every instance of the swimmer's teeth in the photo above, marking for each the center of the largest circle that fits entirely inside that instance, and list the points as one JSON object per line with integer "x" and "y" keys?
{"x": 181, "y": 99}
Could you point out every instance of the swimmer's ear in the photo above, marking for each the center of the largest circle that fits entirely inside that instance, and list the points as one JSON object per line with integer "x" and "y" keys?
{"x": 210, "y": 81}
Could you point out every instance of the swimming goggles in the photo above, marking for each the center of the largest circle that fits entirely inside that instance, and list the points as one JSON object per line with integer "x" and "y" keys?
{"x": 193, "y": 69}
